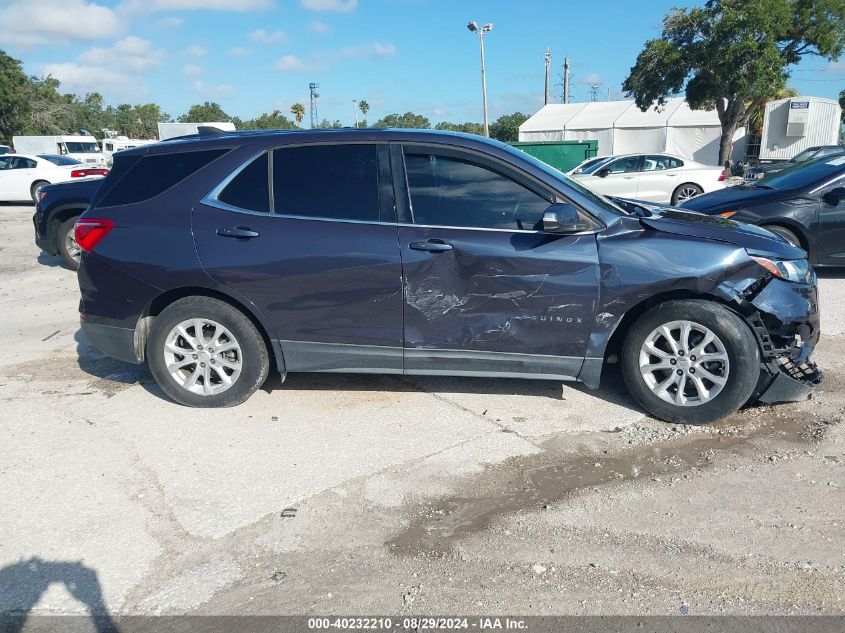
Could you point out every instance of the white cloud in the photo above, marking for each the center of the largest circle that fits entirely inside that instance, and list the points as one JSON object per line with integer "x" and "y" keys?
{"x": 264, "y": 37}
{"x": 369, "y": 51}
{"x": 219, "y": 92}
{"x": 169, "y": 23}
{"x": 131, "y": 54}
{"x": 292, "y": 63}
{"x": 239, "y": 52}
{"x": 29, "y": 23}
{"x": 338, "y": 6}
{"x": 319, "y": 27}
{"x": 192, "y": 70}
{"x": 150, "y": 6}
{"x": 79, "y": 79}
{"x": 195, "y": 50}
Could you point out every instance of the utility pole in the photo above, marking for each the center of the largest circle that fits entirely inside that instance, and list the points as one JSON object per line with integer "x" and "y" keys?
{"x": 595, "y": 86}
{"x": 355, "y": 110}
{"x": 548, "y": 58}
{"x": 566, "y": 80}
{"x": 480, "y": 31}
{"x": 314, "y": 96}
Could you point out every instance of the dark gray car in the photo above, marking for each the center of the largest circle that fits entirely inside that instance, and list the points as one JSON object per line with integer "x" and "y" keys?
{"x": 411, "y": 252}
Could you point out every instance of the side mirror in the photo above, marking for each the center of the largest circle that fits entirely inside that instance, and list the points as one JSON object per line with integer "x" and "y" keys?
{"x": 564, "y": 218}
{"x": 603, "y": 172}
{"x": 834, "y": 196}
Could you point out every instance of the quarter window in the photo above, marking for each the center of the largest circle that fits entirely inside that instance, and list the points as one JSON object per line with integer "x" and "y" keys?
{"x": 152, "y": 175}
{"x": 453, "y": 192}
{"x": 250, "y": 188}
{"x": 338, "y": 182}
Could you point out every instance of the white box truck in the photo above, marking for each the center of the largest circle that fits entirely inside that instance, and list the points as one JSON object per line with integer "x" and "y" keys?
{"x": 83, "y": 148}
{"x": 792, "y": 125}
{"x": 119, "y": 143}
{"x": 172, "y": 130}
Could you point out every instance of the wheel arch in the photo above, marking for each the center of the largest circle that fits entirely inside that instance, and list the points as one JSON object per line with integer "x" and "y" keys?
{"x": 61, "y": 214}
{"x": 593, "y": 367}
{"x": 794, "y": 227}
{"x": 168, "y": 297}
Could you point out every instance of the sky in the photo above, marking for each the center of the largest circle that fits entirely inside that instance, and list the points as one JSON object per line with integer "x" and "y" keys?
{"x": 254, "y": 56}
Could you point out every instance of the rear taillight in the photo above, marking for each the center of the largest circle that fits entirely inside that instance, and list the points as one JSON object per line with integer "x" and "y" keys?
{"x": 723, "y": 176}
{"x": 82, "y": 173}
{"x": 89, "y": 232}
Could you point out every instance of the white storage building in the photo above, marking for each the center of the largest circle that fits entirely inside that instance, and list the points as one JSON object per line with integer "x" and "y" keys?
{"x": 620, "y": 127}
{"x": 794, "y": 124}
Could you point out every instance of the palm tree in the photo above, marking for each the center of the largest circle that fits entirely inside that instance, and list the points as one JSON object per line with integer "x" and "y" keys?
{"x": 298, "y": 112}
{"x": 364, "y": 107}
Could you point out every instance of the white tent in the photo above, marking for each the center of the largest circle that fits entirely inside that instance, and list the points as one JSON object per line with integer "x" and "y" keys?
{"x": 595, "y": 121}
{"x": 550, "y": 122}
{"x": 620, "y": 127}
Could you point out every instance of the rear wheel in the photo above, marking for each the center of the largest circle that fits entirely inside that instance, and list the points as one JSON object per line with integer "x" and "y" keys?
{"x": 66, "y": 241}
{"x": 685, "y": 192}
{"x": 33, "y": 190}
{"x": 690, "y": 361}
{"x": 205, "y": 353}
{"x": 786, "y": 234}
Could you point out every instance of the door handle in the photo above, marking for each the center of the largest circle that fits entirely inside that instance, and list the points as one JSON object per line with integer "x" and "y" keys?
{"x": 431, "y": 246}
{"x": 629, "y": 177}
{"x": 240, "y": 232}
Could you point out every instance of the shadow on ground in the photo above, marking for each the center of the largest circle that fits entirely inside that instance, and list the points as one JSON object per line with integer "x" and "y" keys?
{"x": 22, "y": 585}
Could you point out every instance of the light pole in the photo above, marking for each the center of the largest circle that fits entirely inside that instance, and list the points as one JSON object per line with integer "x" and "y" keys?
{"x": 355, "y": 109}
{"x": 480, "y": 31}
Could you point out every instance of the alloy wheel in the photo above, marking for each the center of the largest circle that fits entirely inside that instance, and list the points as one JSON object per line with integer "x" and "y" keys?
{"x": 684, "y": 363}
{"x": 71, "y": 247}
{"x": 203, "y": 357}
{"x": 686, "y": 193}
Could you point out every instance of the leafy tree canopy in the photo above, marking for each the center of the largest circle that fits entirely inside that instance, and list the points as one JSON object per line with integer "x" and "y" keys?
{"x": 468, "y": 127}
{"x": 407, "y": 120}
{"x": 506, "y": 127}
{"x": 208, "y": 112}
{"x": 734, "y": 54}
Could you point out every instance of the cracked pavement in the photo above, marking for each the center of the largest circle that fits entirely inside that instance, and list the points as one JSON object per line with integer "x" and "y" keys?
{"x": 377, "y": 494}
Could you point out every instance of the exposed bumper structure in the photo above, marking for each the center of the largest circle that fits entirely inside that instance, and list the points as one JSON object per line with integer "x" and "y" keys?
{"x": 792, "y": 383}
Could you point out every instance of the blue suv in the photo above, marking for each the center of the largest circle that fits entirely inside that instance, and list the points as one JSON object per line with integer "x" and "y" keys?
{"x": 214, "y": 258}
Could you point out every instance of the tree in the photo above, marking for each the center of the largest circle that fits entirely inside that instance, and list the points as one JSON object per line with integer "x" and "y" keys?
{"x": 14, "y": 101}
{"x": 407, "y": 120}
{"x": 325, "y": 124}
{"x": 842, "y": 104}
{"x": 274, "y": 120}
{"x": 734, "y": 55}
{"x": 506, "y": 127}
{"x": 364, "y": 106}
{"x": 467, "y": 128}
{"x": 298, "y": 112}
{"x": 208, "y": 112}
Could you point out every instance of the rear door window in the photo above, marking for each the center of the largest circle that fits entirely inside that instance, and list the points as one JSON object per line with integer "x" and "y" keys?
{"x": 337, "y": 182}
{"x": 155, "y": 174}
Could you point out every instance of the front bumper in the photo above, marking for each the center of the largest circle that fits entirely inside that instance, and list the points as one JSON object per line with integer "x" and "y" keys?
{"x": 787, "y": 327}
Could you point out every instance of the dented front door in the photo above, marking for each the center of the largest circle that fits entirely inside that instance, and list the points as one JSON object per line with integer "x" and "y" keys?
{"x": 501, "y": 297}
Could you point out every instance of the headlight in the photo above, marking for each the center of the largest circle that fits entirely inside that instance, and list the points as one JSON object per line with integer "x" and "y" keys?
{"x": 795, "y": 270}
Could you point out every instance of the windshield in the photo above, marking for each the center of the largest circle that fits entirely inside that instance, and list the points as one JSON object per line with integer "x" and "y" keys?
{"x": 807, "y": 154}
{"x": 805, "y": 174}
{"x": 599, "y": 200}
{"x": 76, "y": 147}
{"x": 60, "y": 160}
{"x": 594, "y": 167}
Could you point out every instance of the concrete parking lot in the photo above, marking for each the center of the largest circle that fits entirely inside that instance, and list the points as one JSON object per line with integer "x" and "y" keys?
{"x": 365, "y": 494}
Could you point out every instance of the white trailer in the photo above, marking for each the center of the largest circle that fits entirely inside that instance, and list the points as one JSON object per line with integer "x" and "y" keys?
{"x": 792, "y": 125}
{"x": 172, "y": 130}
{"x": 119, "y": 143}
{"x": 81, "y": 147}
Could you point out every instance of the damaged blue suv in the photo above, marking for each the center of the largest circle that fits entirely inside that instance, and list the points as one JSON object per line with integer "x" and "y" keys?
{"x": 216, "y": 257}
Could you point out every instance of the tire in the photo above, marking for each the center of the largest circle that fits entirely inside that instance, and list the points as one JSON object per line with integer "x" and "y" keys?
{"x": 239, "y": 346}
{"x": 734, "y": 362}
{"x": 33, "y": 190}
{"x": 66, "y": 243}
{"x": 786, "y": 234}
{"x": 685, "y": 191}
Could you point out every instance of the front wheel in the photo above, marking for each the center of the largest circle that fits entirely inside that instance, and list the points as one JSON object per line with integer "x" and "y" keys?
{"x": 685, "y": 192}
{"x": 203, "y": 352}
{"x": 33, "y": 190}
{"x": 690, "y": 361}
